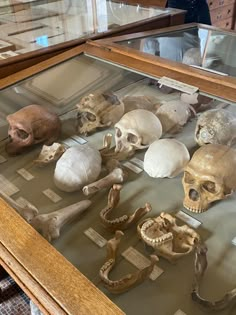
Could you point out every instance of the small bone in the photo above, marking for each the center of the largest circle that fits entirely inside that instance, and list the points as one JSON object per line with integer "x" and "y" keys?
{"x": 116, "y": 176}
{"x": 200, "y": 266}
{"x": 50, "y": 154}
{"x": 128, "y": 281}
{"x": 50, "y": 224}
{"x": 27, "y": 212}
{"x": 124, "y": 221}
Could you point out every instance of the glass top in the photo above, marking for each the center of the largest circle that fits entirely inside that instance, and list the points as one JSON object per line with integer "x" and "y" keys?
{"x": 29, "y": 25}
{"x": 212, "y": 50}
{"x": 82, "y": 240}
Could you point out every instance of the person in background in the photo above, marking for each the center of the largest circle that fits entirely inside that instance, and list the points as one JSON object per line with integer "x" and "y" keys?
{"x": 197, "y": 10}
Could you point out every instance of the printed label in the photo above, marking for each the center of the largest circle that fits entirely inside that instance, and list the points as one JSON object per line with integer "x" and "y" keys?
{"x": 180, "y": 86}
{"x": 52, "y": 195}
{"x": 7, "y": 187}
{"x": 133, "y": 167}
{"x": 188, "y": 219}
{"x": 137, "y": 162}
{"x": 140, "y": 261}
{"x": 2, "y": 159}
{"x": 95, "y": 237}
{"x": 234, "y": 241}
{"x": 24, "y": 203}
{"x": 79, "y": 139}
{"x": 25, "y": 174}
{"x": 69, "y": 142}
{"x": 179, "y": 312}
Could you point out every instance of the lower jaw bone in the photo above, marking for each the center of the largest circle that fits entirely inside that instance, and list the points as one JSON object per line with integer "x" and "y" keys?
{"x": 128, "y": 281}
{"x": 50, "y": 224}
{"x": 200, "y": 265}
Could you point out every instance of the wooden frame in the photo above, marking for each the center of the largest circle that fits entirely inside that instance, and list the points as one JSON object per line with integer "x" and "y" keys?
{"x": 26, "y": 60}
{"x": 207, "y": 82}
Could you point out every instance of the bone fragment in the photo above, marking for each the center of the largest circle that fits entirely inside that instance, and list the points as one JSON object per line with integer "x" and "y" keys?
{"x": 50, "y": 154}
{"x": 50, "y": 224}
{"x": 124, "y": 221}
{"x": 27, "y": 212}
{"x": 200, "y": 266}
{"x": 128, "y": 281}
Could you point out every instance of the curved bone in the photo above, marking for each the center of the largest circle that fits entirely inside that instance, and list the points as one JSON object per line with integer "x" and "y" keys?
{"x": 200, "y": 266}
{"x": 128, "y": 281}
{"x": 50, "y": 224}
{"x": 167, "y": 238}
{"x": 116, "y": 176}
{"x": 124, "y": 221}
{"x": 28, "y": 212}
{"x": 50, "y": 154}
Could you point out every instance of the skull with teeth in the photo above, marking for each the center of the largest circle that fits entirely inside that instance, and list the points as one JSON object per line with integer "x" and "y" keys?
{"x": 209, "y": 176}
{"x": 98, "y": 110}
{"x": 31, "y": 125}
{"x": 136, "y": 130}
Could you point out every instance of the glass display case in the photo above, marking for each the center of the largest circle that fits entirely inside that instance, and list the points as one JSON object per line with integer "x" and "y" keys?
{"x": 32, "y": 31}
{"x": 128, "y": 236}
{"x": 193, "y": 51}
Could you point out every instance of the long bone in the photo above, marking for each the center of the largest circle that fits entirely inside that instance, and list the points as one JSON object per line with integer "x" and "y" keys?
{"x": 50, "y": 224}
{"x": 200, "y": 266}
{"x": 124, "y": 221}
{"x": 28, "y": 212}
{"x": 128, "y": 281}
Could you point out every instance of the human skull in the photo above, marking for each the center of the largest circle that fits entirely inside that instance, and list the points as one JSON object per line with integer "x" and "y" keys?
{"x": 165, "y": 158}
{"x": 216, "y": 126}
{"x": 136, "y": 130}
{"x": 31, "y": 125}
{"x": 98, "y": 110}
{"x": 209, "y": 176}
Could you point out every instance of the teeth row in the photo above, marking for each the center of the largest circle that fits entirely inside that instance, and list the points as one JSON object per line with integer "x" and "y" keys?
{"x": 154, "y": 241}
{"x": 122, "y": 219}
{"x": 192, "y": 209}
{"x": 107, "y": 265}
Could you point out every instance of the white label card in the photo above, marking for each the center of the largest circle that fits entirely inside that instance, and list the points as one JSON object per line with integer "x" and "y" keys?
{"x": 95, "y": 237}
{"x": 79, "y": 139}
{"x": 137, "y": 162}
{"x": 234, "y": 241}
{"x": 180, "y": 86}
{"x": 70, "y": 142}
{"x": 140, "y": 261}
{"x": 188, "y": 219}
{"x": 52, "y": 195}
{"x": 2, "y": 159}
{"x": 7, "y": 187}
{"x": 133, "y": 167}
{"x": 179, "y": 312}
{"x": 25, "y": 174}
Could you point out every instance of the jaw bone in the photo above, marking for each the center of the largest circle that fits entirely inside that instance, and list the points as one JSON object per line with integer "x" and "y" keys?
{"x": 128, "y": 281}
{"x": 50, "y": 224}
{"x": 200, "y": 266}
{"x": 124, "y": 221}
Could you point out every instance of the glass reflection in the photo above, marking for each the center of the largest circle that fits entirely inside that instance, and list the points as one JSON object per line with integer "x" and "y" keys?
{"x": 213, "y": 50}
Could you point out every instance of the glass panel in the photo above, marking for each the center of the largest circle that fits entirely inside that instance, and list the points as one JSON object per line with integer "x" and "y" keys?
{"x": 208, "y": 49}
{"x": 29, "y": 25}
{"x": 104, "y": 93}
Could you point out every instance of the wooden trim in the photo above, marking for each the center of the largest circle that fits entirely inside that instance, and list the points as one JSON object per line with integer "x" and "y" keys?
{"x": 54, "y": 284}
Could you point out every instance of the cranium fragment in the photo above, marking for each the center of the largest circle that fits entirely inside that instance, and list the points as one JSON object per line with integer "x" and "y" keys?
{"x": 174, "y": 115}
{"x": 209, "y": 176}
{"x": 50, "y": 154}
{"x": 98, "y": 110}
{"x": 198, "y": 101}
{"x": 168, "y": 239}
{"x": 200, "y": 266}
{"x": 165, "y": 158}
{"x": 124, "y": 221}
{"x": 128, "y": 281}
{"x": 136, "y": 130}
{"x": 216, "y": 126}
{"x": 141, "y": 102}
{"x": 77, "y": 167}
{"x": 31, "y": 125}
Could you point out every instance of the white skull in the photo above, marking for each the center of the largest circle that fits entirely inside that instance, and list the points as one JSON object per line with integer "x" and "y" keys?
{"x": 165, "y": 158}
{"x": 137, "y": 130}
{"x": 78, "y": 166}
{"x": 216, "y": 126}
{"x": 209, "y": 176}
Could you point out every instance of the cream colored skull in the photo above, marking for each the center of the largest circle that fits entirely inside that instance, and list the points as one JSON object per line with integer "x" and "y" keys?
{"x": 137, "y": 130}
{"x": 209, "y": 176}
{"x": 98, "y": 110}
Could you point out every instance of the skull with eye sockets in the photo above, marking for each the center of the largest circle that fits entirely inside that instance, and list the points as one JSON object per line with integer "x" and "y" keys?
{"x": 209, "y": 176}
{"x": 136, "y": 130}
